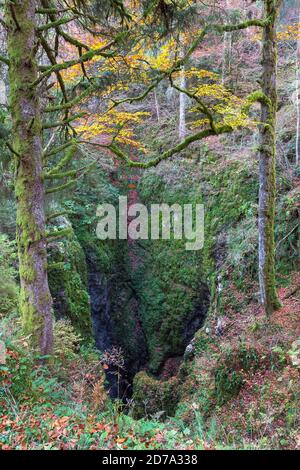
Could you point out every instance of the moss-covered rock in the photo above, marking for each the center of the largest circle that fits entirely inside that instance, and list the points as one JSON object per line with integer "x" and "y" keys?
{"x": 68, "y": 284}
{"x": 170, "y": 283}
{"x": 154, "y": 398}
{"x": 114, "y": 300}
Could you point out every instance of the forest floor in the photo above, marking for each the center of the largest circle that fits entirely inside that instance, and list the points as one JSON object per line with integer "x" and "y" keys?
{"x": 46, "y": 407}
{"x": 253, "y": 372}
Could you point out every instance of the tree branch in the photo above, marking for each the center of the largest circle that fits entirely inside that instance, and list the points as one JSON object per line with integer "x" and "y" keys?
{"x": 52, "y": 59}
{"x": 55, "y": 24}
{"x": 169, "y": 153}
{"x": 66, "y": 158}
{"x": 203, "y": 108}
{"x": 72, "y": 103}
{"x": 84, "y": 58}
{"x": 59, "y": 233}
{"x": 58, "y": 149}
{"x": 182, "y": 61}
{"x": 51, "y": 125}
{"x": 56, "y": 214}
{"x": 55, "y": 189}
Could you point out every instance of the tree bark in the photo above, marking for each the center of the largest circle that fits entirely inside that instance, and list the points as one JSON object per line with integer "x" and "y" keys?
{"x": 35, "y": 297}
{"x": 297, "y": 96}
{"x": 156, "y": 106}
{"x": 267, "y": 162}
{"x": 182, "y": 98}
{"x": 182, "y": 106}
{"x": 226, "y": 57}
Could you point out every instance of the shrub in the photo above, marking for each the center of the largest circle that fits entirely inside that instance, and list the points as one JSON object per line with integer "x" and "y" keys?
{"x": 66, "y": 340}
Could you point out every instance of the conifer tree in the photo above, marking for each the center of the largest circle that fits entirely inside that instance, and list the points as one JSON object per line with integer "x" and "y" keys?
{"x": 25, "y": 107}
{"x": 27, "y": 24}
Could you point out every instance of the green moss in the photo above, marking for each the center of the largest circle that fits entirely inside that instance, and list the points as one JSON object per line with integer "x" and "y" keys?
{"x": 229, "y": 375}
{"x": 8, "y": 274}
{"x": 203, "y": 342}
{"x": 35, "y": 299}
{"x": 68, "y": 284}
{"x": 171, "y": 281}
{"x": 154, "y": 397}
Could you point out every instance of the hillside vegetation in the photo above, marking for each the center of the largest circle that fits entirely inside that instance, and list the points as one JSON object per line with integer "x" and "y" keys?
{"x": 143, "y": 344}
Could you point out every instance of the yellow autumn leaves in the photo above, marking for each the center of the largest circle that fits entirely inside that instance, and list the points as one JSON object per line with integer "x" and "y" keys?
{"x": 115, "y": 125}
{"x": 225, "y": 107}
{"x": 139, "y": 66}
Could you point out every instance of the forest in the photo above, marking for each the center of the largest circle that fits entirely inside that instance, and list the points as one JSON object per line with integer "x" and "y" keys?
{"x": 149, "y": 225}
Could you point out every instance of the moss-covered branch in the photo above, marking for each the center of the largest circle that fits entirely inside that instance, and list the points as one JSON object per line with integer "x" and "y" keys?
{"x": 59, "y": 265}
{"x": 72, "y": 173}
{"x": 70, "y": 63}
{"x": 70, "y": 104}
{"x": 56, "y": 234}
{"x": 57, "y": 214}
{"x": 55, "y": 24}
{"x": 52, "y": 59}
{"x": 71, "y": 149}
{"x": 58, "y": 149}
{"x": 56, "y": 189}
{"x": 65, "y": 122}
{"x": 256, "y": 97}
{"x": 48, "y": 11}
{"x": 64, "y": 174}
{"x": 169, "y": 153}
{"x": 52, "y": 14}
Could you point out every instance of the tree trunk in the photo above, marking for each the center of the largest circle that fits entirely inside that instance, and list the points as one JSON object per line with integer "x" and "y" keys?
{"x": 156, "y": 106}
{"x": 226, "y": 58}
{"x": 35, "y": 297}
{"x": 297, "y": 96}
{"x": 182, "y": 106}
{"x": 267, "y": 162}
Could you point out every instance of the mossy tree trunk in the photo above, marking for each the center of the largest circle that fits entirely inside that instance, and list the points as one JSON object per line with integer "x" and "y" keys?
{"x": 35, "y": 298}
{"x": 267, "y": 162}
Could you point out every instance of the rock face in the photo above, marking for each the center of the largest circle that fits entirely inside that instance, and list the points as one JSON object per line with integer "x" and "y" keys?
{"x": 116, "y": 324}
{"x": 68, "y": 283}
{"x": 171, "y": 283}
{"x": 99, "y": 290}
